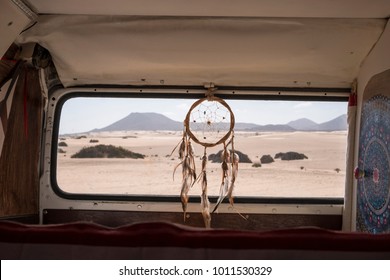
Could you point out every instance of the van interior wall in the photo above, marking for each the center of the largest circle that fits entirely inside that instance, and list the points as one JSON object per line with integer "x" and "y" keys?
{"x": 19, "y": 161}
{"x": 376, "y": 63}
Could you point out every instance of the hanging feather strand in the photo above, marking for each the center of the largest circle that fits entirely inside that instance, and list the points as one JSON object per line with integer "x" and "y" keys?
{"x": 205, "y": 204}
{"x": 225, "y": 158}
{"x": 234, "y": 159}
{"x": 187, "y": 156}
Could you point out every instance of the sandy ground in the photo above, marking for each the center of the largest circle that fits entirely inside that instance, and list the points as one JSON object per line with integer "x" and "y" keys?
{"x": 312, "y": 177}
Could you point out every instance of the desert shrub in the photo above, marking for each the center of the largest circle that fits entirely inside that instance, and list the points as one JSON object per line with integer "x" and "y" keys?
{"x": 61, "y": 151}
{"x": 266, "y": 159}
{"x": 93, "y": 141}
{"x": 337, "y": 170}
{"x": 257, "y": 164}
{"x": 291, "y": 156}
{"x": 217, "y": 157}
{"x": 62, "y": 144}
{"x": 81, "y": 137}
{"x": 106, "y": 151}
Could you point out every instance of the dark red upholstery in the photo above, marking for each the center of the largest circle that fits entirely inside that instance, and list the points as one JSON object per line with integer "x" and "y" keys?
{"x": 165, "y": 235}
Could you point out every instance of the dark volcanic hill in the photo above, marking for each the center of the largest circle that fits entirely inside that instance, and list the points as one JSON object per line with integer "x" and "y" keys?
{"x": 143, "y": 121}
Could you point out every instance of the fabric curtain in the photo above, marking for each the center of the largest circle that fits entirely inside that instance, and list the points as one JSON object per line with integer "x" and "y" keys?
{"x": 349, "y": 178}
{"x": 8, "y": 66}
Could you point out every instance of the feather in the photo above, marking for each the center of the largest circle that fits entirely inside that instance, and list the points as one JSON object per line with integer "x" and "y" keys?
{"x": 191, "y": 155}
{"x": 223, "y": 189}
{"x": 182, "y": 151}
{"x": 235, "y": 160}
{"x": 188, "y": 171}
{"x": 204, "y": 201}
{"x": 205, "y": 204}
{"x": 184, "y": 195}
{"x": 182, "y": 145}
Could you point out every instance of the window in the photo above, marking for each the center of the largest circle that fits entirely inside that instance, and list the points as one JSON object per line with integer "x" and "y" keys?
{"x": 122, "y": 146}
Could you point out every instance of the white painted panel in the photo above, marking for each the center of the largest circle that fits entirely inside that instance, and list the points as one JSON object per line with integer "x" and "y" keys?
{"x": 194, "y": 51}
{"x": 12, "y": 21}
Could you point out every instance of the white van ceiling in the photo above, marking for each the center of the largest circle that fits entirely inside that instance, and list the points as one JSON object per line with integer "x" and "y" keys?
{"x": 229, "y": 43}
{"x": 227, "y": 8}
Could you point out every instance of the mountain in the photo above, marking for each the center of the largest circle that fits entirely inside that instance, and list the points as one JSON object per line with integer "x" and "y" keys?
{"x": 155, "y": 121}
{"x": 303, "y": 124}
{"x": 143, "y": 121}
{"x": 339, "y": 123}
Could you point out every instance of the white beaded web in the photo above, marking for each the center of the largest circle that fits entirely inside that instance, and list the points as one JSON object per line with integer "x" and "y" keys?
{"x": 210, "y": 121}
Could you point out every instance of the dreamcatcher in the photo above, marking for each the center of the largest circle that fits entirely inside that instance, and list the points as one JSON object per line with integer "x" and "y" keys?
{"x": 209, "y": 122}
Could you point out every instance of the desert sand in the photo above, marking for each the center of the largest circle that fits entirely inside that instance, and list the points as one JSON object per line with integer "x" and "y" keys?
{"x": 321, "y": 175}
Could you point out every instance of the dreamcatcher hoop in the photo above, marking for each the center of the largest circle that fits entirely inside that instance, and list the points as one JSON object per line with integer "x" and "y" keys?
{"x": 187, "y": 122}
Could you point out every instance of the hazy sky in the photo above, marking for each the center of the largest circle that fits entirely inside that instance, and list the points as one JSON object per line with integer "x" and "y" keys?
{"x": 85, "y": 114}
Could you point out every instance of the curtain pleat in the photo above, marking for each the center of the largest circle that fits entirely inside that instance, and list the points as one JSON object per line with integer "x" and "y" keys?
{"x": 349, "y": 178}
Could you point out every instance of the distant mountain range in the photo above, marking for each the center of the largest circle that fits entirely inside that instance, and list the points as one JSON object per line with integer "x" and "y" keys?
{"x": 155, "y": 121}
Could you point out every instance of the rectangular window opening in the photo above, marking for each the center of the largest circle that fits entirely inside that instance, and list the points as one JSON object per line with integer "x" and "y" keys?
{"x": 122, "y": 147}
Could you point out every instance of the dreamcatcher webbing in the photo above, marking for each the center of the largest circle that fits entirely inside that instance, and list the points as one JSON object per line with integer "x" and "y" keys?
{"x": 209, "y": 119}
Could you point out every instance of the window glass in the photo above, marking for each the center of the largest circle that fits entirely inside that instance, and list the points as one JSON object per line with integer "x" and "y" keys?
{"x": 123, "y": 146}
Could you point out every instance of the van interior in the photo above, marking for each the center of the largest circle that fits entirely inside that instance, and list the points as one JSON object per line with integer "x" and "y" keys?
{"x": 195, "y": 129}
